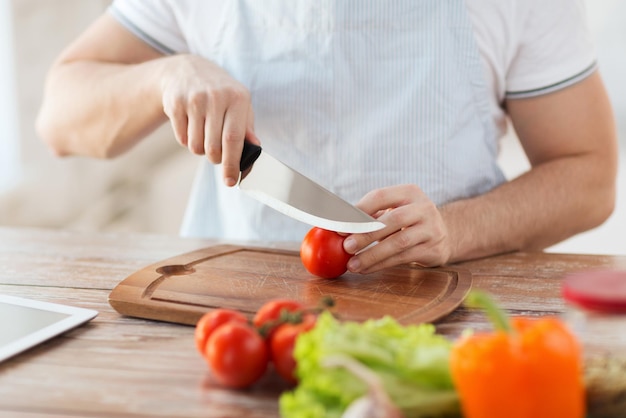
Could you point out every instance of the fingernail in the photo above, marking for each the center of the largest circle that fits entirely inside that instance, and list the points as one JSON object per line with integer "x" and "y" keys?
{"x": 354, "y": 265}
{"x": 230, "y": 181}
{"x": 349, "y": 244}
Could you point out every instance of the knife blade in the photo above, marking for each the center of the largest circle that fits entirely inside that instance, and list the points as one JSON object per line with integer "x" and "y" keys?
{"x": 284, "y": 189}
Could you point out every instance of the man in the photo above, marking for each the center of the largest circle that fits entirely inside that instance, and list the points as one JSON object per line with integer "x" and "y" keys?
{"x": 396, "y": 106}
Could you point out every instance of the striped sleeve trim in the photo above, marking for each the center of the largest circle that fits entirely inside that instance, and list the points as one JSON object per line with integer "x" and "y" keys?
{"x": 124, "y": 21}
{"x": 553, "y": 87}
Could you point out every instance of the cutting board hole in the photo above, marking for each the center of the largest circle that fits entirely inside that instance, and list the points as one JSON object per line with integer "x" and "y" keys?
{"x": 175, "y": 270}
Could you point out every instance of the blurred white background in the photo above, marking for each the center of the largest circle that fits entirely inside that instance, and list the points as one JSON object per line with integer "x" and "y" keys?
{"x": 146, "y": 189}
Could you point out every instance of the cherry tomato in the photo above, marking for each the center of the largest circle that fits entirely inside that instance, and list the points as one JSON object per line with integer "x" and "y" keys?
{"x": 271, "y": 310}
{"x": 210, "y": 321}
{"x": 322, "y": 253}
{"x": 237, "y": 355}
{"x": 282, "y": 343}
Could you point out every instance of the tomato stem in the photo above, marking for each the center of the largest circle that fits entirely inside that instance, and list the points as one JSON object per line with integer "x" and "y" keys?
{"x": 295, "y": 317}
{"x": 285, "y": 316}
{"x": 326, "y": 302}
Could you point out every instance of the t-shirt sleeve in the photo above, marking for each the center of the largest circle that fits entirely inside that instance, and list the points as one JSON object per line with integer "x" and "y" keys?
{"x": 555, "y": 48}
{"x": 153, "y": 21}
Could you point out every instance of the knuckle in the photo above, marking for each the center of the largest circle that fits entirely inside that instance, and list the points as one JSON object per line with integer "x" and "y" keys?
{"x": 226, "y": 96}
{"x": 413, "y": 189}
{"x": 368, "y": 258}
{"x": 198, "y": 101}
{"x": 398, "y": 217}
{"x": 214, "y": 152}
{"x": 403, "y": 240}
{"x": 434, "y": 255}
{"x": 434, "y": 260}
{"x": 440, "y": 232}
{"x": 213, "y": 99}
{"x": 433, "y": 209}
{"x": 230, "y": 168}
{"x": 375, "y": 195}
{"x": 367, "y": 238}
{"x": 174, "y": 105}
{"x": 232, "y": 136}
{"x": 240, "y": 94}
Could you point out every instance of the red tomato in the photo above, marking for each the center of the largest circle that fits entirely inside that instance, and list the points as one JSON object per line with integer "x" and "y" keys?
{"x": 282, "y": 343}
{"x": 322, "y": 253}
{"x": 237, "y": 355}
{"x": 271, "y": 310}
{"x": 210, "y": 321}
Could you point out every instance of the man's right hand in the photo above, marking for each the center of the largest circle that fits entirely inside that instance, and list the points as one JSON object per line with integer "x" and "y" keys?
{"x": 133, "y": 89}
{"x": 210, "y": 111}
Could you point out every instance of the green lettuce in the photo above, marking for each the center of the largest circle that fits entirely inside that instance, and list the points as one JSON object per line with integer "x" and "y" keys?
{"x": 412, "y": 363}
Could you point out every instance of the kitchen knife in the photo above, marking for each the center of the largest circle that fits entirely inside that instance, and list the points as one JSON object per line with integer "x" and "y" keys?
{"x": 280, "y": 187}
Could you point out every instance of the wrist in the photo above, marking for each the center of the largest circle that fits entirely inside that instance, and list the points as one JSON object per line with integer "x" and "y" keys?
{"x": 455, "y": 232}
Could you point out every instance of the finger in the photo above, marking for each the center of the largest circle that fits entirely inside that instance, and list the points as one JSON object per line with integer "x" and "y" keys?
{"x": 178, "y": 119}
{"x": 427, "y": 253}
{"x": 233, "y": 135}
{"x": 428, "y": 258}
{"x": 213, "y": 132}
{"x": 394, "y": 220}
{"x": 378, "y": 202}
{"x": 195, "y": 134}
{"x": 196, "y": 114}
{"x": 250, "y": 135}
{"x": 391, "y": 247}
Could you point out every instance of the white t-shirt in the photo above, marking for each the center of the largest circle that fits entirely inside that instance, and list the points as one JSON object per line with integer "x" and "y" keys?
{"x": 529, "y": 47}
{"x": 365, "y": 94}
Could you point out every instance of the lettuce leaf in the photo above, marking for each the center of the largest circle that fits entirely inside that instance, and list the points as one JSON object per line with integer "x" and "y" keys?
{"x": 411, "y": 361}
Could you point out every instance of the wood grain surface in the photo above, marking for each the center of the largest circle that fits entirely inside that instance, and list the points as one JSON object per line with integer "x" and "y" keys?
{"x": 182, "y": 288}
{"x": 120, "y": 366}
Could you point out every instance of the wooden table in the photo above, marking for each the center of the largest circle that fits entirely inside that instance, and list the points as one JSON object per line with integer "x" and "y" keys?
{"x": 126, "y": 367}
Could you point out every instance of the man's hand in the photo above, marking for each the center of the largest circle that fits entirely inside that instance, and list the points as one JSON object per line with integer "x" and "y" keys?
{"x": 569, "y": 138}
{"x": 210, "y": 111}
{"x": 415, "y": 231}
{"x": 133, "y": 90}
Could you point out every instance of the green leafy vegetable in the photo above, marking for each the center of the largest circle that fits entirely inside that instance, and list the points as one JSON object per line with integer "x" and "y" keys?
{"x": 411, "y": 362}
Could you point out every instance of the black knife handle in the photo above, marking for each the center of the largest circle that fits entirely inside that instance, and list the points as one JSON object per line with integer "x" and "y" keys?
{"x": 249, "y": 155}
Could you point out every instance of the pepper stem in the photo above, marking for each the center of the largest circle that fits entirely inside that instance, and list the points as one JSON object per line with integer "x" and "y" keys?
{"x": 481, "y": 300}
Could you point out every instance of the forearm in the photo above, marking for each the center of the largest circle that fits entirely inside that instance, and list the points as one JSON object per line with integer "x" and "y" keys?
{"x": 100, "y": 109}
{"x": 552, "y": 202}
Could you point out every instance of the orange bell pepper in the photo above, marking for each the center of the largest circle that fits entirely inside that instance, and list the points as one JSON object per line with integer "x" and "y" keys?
{"x": 526, "y": 368}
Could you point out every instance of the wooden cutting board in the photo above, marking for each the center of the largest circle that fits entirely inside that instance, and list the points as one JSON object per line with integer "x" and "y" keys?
{"x": 181, "y": 289}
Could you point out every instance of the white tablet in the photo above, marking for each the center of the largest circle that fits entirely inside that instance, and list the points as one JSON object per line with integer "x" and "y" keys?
{"x": 24, "y": 323}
